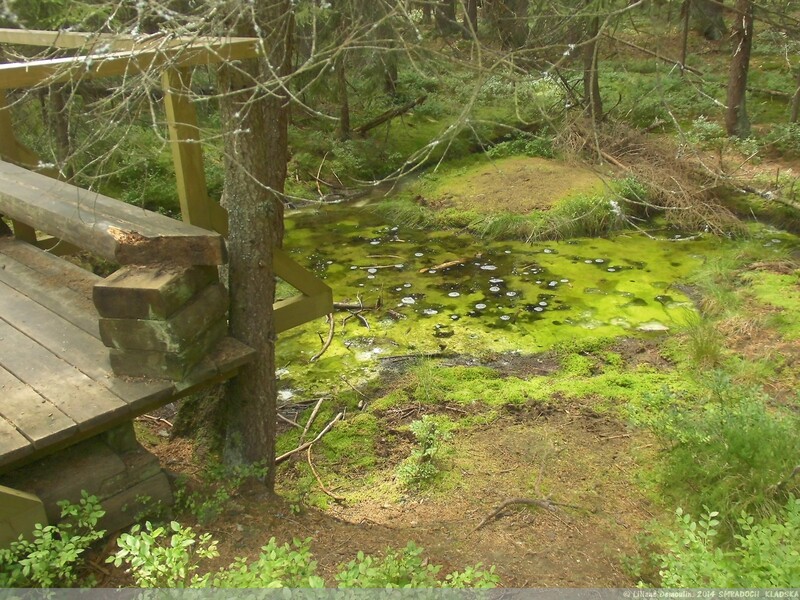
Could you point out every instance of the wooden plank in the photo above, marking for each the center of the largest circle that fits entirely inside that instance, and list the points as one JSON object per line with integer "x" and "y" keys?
{"x": 222, "y": 363}
{"x": 202, "y": 52}
{"x": 85, "y": 401}
{"x": 168, "y": 365}
{"x": 295, "y": 311}
{"x": 105, "y": 41}
{"x": 175, "y": 334}
{"x": 13, "y": 445}
{"x": 187, "y": 151}
{"x": 298, "y": 276}
{"x": 11, "y": 149}
{"x": 111, "y": 229}
{"x": 80, "y": 349}
{"x": 41, "y": 422}
{"x": 56, "y": 284}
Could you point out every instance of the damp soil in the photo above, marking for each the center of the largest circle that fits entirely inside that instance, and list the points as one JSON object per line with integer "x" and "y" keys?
{"x": 565, "y": 452}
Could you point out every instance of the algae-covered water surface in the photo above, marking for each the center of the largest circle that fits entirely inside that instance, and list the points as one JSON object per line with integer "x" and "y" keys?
{"x": 445, "y": 292}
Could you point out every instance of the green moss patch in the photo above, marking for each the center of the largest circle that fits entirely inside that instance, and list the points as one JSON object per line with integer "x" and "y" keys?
{"x": 518, "y": 184}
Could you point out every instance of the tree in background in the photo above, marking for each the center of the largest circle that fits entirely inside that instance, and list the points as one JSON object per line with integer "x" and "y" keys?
{"x": 737, "y": 122}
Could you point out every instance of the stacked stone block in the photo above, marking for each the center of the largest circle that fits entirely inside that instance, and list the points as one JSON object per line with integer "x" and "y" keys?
{"x": 161, "y": 321}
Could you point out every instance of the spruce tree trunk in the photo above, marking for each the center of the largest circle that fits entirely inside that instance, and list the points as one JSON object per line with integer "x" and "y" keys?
{"x": 59, "y": 125}
{"x": 256, "y": 149}
{"x": 591, "y": 82}
{"x": 707, "y": 18}
{"x": 445, "y": 16}
{"x": 796, "y": 102}
{"x": 736, "y": 121}
{"x": 470, "y": 18}
{"x": 344, "y": 100}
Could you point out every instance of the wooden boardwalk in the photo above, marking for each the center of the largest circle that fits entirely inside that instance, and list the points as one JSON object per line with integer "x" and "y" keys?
{"x": 56, "y": 383}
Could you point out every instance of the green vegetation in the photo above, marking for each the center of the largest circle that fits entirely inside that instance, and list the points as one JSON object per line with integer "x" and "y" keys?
{"x": 764, "y": 555}
{"x": 420, "y": 467}
{"x": 54, "y": 555}
{"x": 160, "y": 557}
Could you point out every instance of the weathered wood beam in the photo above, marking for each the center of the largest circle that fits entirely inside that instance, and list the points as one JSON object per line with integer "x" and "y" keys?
{"x": 109, "y": 228}
{"x": 56, "y": 70}
{"x": 316, "y": 299}
{"x": 187, "y": 152}
{"x": 108, "y": 42}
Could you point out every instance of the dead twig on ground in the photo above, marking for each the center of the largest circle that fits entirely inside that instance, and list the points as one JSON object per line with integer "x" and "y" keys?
{"x": 310, "y": 420}
{"x": 544, "y": 503}
{"x": 326, "y": 345}
{"x": 450, "y": 263}
{"x": 319, "y": 481}
{"x": 356, "y": 390}
{"x": 362, "y": 318}
{"x": 289, "y": 421}
{"x": 302, "y": 447}
{"x": 157, "y": 420}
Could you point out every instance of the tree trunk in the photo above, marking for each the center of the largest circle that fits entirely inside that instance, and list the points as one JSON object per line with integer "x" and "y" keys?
{"x": 686, "y": 12}
{"x": 256, "y": 149}
{"x": 707, "y": 17}
{"x": 344, "y": 101}
{"x": 511, "y": 19}
{"x": 59, "y": 126}
{"x": 445, "y": 15}
{"x": 796, "y": 101}
{"x": 471, "y": 18}
{"x": 591, "y": 82}
{"x": 736, "y": 120}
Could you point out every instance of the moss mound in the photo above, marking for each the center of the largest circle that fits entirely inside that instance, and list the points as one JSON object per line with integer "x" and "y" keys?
{"x": 518, "y": 184}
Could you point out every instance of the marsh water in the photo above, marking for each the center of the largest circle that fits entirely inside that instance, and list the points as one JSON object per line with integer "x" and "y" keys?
{"x": 444, "y": 292}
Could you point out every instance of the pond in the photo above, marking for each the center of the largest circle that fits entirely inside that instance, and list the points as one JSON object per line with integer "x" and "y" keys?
{"x": 444, "y": 292}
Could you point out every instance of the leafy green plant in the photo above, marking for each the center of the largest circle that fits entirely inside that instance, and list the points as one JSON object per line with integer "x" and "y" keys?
{"x": 51, "y": 558}
{"x": 527, "y": 145}
{"x": 157, "y": 557}
{"x": 785, "y": 138}
{"x": 154, "y": 563}
{"x": 407, "y": 569}
{"x": 419, "y": 468}
{"x": 222, "y": 484}
{"x": 707, "y": 134}
{"x": 729, "y": 453}
{"x": 765, "y": 553}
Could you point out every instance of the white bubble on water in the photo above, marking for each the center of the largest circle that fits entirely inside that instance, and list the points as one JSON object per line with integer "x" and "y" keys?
{"x": 454, "y": 294}
{"x": 480, "y": 306}
{"x": 489, "y": 267}
{"x": 494, "y": 288}
{"x": 505, "y": 318}
{"x": 408, "y": 300}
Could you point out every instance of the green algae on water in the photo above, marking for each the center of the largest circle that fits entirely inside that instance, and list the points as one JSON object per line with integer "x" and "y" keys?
{"x": 444, "y": 292}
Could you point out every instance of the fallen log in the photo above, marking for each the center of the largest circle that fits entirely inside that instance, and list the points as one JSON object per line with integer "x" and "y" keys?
{"x": 389, "y": 115}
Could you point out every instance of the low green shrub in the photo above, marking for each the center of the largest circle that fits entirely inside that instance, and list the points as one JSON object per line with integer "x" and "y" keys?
{"x": 419, "y": 468}
{"x": 157, "y": 557}
{"x": 51, "y": 557}
{"x": 728, "y": 453}
{"x": 764, "y": 555}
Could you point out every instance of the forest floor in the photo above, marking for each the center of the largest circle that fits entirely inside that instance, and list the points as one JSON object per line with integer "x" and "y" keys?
{"x": 575, "y": 453}
{"x": 564, "y": 451}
